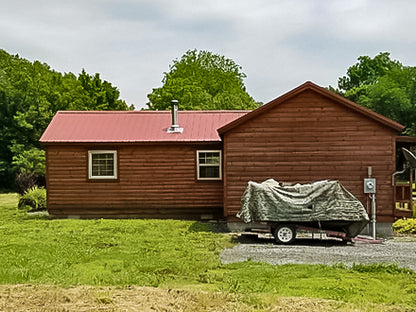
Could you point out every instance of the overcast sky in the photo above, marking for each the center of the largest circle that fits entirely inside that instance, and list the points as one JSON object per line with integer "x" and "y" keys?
{"x": 279, "y": 43}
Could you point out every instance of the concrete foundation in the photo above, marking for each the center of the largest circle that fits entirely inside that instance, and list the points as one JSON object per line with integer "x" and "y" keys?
{"x": 383, "y": 230}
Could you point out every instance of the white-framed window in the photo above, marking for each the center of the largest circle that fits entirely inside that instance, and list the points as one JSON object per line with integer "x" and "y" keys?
{"x": 102, "y": 164}
{"x": 208, "y": 164}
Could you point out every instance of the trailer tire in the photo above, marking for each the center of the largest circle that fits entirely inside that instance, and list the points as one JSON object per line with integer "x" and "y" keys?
{"x": 284, "y": 234}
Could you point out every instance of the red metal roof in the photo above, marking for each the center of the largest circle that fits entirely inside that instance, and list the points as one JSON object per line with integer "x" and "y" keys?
{"x": 136, "y": 126}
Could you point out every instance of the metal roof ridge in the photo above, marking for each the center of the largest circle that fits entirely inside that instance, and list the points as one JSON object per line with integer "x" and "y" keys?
{"x": 154, "y": 112}
{"x": 214, "y": 111}
{"x": 105, "y": 112}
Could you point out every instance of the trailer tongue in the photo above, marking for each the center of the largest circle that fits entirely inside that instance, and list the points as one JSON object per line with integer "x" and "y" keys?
{"x": 322, "y": 205}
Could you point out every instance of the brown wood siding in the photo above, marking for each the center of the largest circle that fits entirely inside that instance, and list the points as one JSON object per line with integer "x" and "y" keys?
{"x": 310, "y": 138}
{"x": 154, "y": 181}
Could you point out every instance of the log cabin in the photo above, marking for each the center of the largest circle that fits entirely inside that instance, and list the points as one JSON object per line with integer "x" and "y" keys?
{"x": 196, "y": 164}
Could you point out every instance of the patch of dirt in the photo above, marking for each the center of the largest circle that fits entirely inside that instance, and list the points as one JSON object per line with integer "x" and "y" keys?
{"x": 88, "y": 298}
{"x": 46, "y": 298}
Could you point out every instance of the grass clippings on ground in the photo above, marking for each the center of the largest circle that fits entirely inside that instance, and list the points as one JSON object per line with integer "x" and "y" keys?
{"x": 94, "y": 298}
{"x": 46, "y": 298}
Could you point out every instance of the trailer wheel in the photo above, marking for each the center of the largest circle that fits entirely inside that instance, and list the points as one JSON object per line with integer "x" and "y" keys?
{"x": 285, "y": 234}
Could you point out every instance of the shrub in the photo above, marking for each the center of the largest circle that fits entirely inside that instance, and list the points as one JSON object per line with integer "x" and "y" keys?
{"x": 34, "y": 199}
{"x": 25, "y": 181}
{"x": 405, "y": 226}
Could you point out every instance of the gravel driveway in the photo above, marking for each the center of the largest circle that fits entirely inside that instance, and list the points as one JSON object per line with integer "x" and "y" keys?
{"x": 309, "y": 251}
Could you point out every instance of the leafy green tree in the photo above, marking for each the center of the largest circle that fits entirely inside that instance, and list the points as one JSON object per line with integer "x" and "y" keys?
{"x": 28, "y": 160}
{"x": 201, "y": 80}
{"x": 393, "y": 95}
{"x": 367, "y": 71}
{"x": 100, "y": 95}
{"x": 30, "y": 94}
{"x": 384, "y": 86}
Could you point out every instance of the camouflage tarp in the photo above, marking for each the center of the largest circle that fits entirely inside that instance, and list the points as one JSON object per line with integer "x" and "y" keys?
{"x": 318, "y": 201}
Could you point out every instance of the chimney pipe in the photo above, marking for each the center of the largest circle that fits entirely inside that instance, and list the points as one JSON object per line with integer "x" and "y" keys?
{"x": 174, "y": 104}
{"x": 174, "y": 128}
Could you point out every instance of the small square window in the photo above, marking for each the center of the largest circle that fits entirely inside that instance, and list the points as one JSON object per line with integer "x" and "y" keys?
{"x": 209, "y": 165}
{"x": 102, "y": 164}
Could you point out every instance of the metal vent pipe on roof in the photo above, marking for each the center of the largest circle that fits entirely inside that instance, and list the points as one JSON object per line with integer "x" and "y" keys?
{"x": 174, "y": 104}
{"x": 174, "y": 128}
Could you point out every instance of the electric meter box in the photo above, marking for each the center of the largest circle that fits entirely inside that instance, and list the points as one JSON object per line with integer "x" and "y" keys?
{"x": 369, "y": 186}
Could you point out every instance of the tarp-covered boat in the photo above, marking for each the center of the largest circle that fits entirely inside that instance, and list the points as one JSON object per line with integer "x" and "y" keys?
{"x": 324, "y": 204}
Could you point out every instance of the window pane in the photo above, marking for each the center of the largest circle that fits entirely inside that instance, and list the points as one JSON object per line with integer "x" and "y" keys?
{"x": 209, "y": 158}
{"x": 103, "y": 164}
{"x": 209, "y": 172}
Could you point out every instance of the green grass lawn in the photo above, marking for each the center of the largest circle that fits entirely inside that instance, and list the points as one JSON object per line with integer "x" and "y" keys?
{"x": 179, "y": 254}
